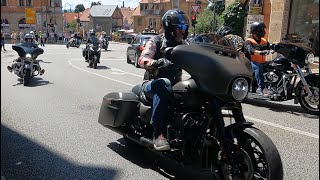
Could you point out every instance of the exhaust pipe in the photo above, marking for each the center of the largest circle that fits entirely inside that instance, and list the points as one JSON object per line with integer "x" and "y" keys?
{"x": 142, "y": 140}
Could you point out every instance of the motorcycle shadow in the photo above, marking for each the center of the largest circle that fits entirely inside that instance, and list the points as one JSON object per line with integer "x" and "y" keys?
{"x": 101, "y": 67}
{"x": 156, "y": 161}
{"x": 34, "y": 82}
{"x": 273, "y": 106}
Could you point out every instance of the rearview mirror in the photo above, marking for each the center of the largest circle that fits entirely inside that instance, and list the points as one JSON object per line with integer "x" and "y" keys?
{"x": 167, "y": 53}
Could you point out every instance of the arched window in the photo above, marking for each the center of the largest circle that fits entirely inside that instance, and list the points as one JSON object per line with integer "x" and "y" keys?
{"x": 22, "y": 21}
{"x": 4, "y": 21}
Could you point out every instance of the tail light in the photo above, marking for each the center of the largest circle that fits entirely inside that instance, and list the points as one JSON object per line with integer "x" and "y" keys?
{"x": 141, "y": 48}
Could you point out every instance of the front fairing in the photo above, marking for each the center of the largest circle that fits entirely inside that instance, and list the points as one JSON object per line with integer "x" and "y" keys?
{"x": 214, "y": 64}
{"x": 27, "y": 48}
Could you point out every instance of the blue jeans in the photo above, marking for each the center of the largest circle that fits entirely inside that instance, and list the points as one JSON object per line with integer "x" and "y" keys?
{"x": 159, "y": 90}
{"x": 258, "y": 73}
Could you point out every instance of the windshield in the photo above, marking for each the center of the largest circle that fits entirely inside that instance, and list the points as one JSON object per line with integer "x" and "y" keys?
{"x": 212, "y": 39}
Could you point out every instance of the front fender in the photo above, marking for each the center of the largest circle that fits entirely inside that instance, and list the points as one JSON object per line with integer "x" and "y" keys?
{"x": 230, "y": 130}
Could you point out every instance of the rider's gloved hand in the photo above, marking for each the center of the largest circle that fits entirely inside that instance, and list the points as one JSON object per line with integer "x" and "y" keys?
{"x": 264, "y": 52}
{"x": 162, "y": 62}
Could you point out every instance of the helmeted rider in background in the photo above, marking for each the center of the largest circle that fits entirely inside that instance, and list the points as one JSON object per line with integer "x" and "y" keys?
{"x": 160, "y": 74}
{"x": 236, "y": 40}
{"x": 256, "y": 48}
{"x": 29, "y": 42}
{"x": 91, "y": 39}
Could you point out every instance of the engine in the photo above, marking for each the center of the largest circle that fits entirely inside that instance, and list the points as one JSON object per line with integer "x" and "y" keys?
{"x": 271, "y": 77}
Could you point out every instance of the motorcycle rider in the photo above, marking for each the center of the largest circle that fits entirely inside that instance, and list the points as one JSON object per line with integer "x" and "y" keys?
{"x": 226, "y": 31}
{"x": 256, "y": 48}
{"x": 160, "y": 74}
{"x": 30, "y": 42}
{"x": 103, "y": 37}
{"x": 91, "y": 39}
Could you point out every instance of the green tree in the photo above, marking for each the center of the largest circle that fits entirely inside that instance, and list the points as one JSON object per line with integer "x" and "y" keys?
{"x": 233, "y": 16}
{"x": 79, "y": 8}
{"x": 72, "y": 25}
{"x": 95, "y": 3}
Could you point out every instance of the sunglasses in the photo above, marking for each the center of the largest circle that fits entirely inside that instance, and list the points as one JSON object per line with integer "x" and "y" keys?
{"x": 182, "y": 26}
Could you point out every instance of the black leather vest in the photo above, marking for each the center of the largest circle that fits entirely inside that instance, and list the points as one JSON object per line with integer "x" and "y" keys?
{"x": 172, "y": 73}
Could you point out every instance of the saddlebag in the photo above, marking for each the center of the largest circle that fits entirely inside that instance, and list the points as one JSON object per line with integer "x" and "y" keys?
{"x": 117, "y": 108}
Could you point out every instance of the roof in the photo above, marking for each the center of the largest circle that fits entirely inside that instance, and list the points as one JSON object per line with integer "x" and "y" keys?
{"x": 70, "y": 16}
{"x": 102, "y": 10}
{"x": 84, "y": 15}
{"x": 154, "y": 1}
{"x": 127, "y": 14}
{"x": 136, "y": 11}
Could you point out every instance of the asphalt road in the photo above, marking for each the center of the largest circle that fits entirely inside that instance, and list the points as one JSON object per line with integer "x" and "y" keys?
{"x": 50, "y": 130}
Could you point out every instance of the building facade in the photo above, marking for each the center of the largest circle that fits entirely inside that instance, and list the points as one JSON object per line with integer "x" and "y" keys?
{"x": 149, "y": 12}
{"x": 48, "y": 15}
{"x": 106, "y": 18}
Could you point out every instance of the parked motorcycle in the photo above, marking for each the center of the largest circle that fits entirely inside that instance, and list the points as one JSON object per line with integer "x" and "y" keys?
{"x": 104, "y": 43}
{"x": 196, "y": 131}
{"x": 27, "y": 66}
{"x": 73, "y": 43}
{"x": 92, "y": 54}
{"x": 289, "y": 76}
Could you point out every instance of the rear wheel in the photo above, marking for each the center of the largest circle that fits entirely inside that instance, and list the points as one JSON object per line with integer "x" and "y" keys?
{"x": 128, "y": 59}
{"x": 67, "y": 45}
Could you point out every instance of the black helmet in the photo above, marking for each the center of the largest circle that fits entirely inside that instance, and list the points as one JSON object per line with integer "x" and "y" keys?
{"x": 224, "y": 30}
{"x": 92, "y": 32}
{"x": 173, "y": 19}
{"x": 257, "y": 28}
{"x": 28, "y": 36}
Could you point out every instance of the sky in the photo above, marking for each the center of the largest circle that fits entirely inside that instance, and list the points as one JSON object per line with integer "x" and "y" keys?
{"x": 87, "y": 3}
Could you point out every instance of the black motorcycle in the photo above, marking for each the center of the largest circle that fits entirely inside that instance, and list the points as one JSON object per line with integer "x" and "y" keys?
{"x": 104, "y": 43}
{"x": 26, "y": 65}
{"x": 73, "y": 43}
{"x": 196, "y": 131}
{"x": 289, "y": 76}
{"x": 92, "y": 54}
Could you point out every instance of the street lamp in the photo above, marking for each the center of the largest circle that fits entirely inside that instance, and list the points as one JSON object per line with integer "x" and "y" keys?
{"x": 212, "y": 3}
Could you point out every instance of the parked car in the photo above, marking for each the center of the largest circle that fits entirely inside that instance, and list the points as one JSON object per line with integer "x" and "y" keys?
{"x": 136, "y": 47}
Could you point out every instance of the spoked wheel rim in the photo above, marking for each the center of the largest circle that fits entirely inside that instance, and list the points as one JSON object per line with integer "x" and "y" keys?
{"x": 310, "y": 102}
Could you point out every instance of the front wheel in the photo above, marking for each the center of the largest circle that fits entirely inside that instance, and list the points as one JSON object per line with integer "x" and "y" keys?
{"x": 136, "y": 58}
{"x": 95, "y": 61}
{"x": 254, "y": 157}
{"x": 26, "y": 77}
{"x": 308, "y": 102}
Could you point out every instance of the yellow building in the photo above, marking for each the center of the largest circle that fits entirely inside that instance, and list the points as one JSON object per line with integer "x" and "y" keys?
{"x": 149, "y": 12}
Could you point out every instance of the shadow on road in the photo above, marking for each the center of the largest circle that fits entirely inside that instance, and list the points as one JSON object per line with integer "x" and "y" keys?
{"x": 34, "y": 82}
{"x": 149, "y": 160}
{"x": 22, "y": 158}
{"x": 102, "y": 67}
{"x": 290, "y": 109}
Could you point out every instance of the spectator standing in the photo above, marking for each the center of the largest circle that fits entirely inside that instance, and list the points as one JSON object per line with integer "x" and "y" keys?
{"x": 2, "y": 41}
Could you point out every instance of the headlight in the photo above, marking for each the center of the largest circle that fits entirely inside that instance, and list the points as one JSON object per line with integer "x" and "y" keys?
{"x": 240, "y": 89}
{"x": 28, "y": 55}
{"x": 310, "y": 58}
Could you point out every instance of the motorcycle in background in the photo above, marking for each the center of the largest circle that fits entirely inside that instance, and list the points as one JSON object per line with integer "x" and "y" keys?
{"x": 26, "y": 65}
{"x": 196, "y": 131}
{"x": 92, "y": 54}
{"x": 289, "y": 75}
{"x": 73, "y": 43}
{"x": 104, "y": 43}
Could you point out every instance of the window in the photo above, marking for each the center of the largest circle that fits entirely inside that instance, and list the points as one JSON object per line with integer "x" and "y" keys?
{"x": 51, "y": 3}
{"x": 175, "y": 4}
{"x": 22, "y": 21}
{"x": 139, "y": 21}
{"x": 152, "y": 23}
{"x": 21, "y": 3}
{"x": 57, "y": 3}
{"x": 4, "y": 21}
{"x": 28, "y": 2}
{"x": 3, "y": 2}
{"x": 305, "y": 23}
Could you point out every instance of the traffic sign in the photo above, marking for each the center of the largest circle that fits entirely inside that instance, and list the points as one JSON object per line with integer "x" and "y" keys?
{"x": 195, "y": 7}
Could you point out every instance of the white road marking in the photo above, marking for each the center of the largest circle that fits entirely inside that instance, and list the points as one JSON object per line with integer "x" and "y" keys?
{"x": 283, "y": 127}
{"x": 247, "y": 117}
{"x": 69, "y": 61}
